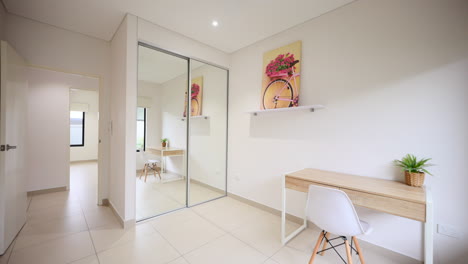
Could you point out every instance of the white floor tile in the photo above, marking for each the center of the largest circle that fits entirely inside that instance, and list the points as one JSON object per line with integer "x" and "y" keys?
{"x": 305, "y": 241}
{"x": 112, "y": 236}
{"x": 187, "y": 235}
{"x": 100, "y": 216}
{"x": 288, "y": 255}
{"x": 36, "y": 232}
{"x": 226, "y": 250}
{"x": 93, "y": 259}
{"x": 180, "y": 260}
{"x": 54, "y": 212}
{"x": 4, "y": 258}
{"x": 62, "y": 250}
{"x": 228, "y": 213}
{"x": 263, "y": 233}
{"x": 270, "y": 261}
{"x": 152, "y": 249}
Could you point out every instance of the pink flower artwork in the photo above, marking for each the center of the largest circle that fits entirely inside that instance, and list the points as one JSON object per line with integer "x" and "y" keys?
{"x": 281, "y": 66}
{"x": 195, "y": 90}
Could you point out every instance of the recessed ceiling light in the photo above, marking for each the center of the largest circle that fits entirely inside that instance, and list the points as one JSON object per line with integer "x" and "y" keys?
{"x": 214, "y": 23}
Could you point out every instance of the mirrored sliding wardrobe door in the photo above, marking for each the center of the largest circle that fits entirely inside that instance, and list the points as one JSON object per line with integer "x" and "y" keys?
{"x": 207, "y": 132}
{"x": 161, "y": 132}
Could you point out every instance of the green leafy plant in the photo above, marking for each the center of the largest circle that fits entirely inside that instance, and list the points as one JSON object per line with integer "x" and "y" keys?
{"x": 164, "y": 140}
{"x": 411, "y": 164}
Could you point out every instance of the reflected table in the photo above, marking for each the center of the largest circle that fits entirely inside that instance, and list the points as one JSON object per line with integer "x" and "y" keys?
{"x": 165, "y": 152}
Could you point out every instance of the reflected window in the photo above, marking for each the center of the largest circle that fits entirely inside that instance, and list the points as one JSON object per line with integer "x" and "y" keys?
{"x": 77, "y": 128}
{"x": 141, "y": 129}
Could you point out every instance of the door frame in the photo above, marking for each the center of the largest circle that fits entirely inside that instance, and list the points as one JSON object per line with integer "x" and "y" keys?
{"x": 102, "y": 199}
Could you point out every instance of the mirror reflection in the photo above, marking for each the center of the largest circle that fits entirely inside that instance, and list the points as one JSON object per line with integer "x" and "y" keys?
{"x": 208, "y": 132}
{"x": 161, "y": 134}
{"x": 181, "y": 127}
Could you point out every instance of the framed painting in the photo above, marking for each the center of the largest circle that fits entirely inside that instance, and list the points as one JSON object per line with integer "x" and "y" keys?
{"x": 281, "y": 77}
{"x": 196, "y": 88}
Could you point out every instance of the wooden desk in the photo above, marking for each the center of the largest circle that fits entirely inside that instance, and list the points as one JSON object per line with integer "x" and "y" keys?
{"x": 383, "y": 195}
{"x": 165, "y": 152}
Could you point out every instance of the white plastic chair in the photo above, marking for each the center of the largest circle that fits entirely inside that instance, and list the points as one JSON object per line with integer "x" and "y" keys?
{"x": 148, "y": 164}
{"x": 333, "y": 212}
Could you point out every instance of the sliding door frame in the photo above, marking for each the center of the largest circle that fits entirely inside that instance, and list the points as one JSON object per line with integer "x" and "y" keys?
{"x": 188, "y": 104}
{"x": 227, "y": 129}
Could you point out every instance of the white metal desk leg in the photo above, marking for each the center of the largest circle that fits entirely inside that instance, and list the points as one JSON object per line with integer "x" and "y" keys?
{"x": 285, "y": 239}
{"x": 163, "y": 161}
{"x": 283, "y": 209}
{"x": 429, "y": 230}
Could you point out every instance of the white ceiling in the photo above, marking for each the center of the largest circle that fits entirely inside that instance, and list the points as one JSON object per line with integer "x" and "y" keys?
{"x": 241, "y": 22}
{"x": 159, "y": 67}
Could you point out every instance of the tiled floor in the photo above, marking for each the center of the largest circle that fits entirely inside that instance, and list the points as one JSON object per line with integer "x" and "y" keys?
{"x": 66, "y": 227}
{"x": 156, "y": 196}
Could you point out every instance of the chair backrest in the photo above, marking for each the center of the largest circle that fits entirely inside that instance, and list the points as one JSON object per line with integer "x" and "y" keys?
{"x": 142, "y": 158}
{"x": 332, "y": 210}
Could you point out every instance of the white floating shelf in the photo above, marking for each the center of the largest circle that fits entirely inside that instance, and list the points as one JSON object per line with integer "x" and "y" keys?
{"x": 311, "y": 108}
{"x": 195, "y": 117}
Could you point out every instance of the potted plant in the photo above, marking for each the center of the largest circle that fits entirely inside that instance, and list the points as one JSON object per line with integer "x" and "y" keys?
{"x": 414, "y": 169}
{"x": 164, "y": 142}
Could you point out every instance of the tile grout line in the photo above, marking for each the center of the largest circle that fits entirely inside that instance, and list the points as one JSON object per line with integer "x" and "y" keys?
{"x": 229, "y": 233}
{"x": 233, "y": 235}
{"x": 89, "y": 230}
{"x": 11, "y": 252}
{"x": 38, "y": 244}
{"x": 17, "y": 235}
{"x": 180, "y": 255}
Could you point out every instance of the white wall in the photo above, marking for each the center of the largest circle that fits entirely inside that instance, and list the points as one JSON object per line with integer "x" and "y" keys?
{"x": 123, "y": 115}
{"x": 49, "y": 46}
{"x": 153, "y": 92}
{"x": 393, "y": 77}
{"x": 48, "y": 135}
{"x": 90, "y": 149}
{"x": 173, "y": 128}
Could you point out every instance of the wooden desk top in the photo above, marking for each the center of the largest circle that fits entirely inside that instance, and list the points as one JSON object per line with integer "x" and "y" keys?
{"x": 164, "y": 149}
{"x": 392, "y": 189}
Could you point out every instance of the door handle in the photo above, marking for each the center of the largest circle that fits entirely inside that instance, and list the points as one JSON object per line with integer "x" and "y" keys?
{"x": 8, "y": 147}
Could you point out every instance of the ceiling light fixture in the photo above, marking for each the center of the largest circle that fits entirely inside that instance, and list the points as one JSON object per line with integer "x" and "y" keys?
{"x": 214, "y": 23}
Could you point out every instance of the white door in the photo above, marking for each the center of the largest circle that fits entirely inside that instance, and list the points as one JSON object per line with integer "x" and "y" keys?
{"x": 13, "y": 198}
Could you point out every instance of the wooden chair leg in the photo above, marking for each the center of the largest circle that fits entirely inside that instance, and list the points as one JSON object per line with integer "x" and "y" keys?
{"x": 146, "y": 173}
{"x": 317, "y": 245}
{"x": 348, "y": 252}
{"x": 142, "y": 171}
{"x": 325, "y": 244}
{"x": 358, "y": 248}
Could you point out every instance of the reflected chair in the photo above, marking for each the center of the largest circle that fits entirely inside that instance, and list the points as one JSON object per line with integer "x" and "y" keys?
{"x": 148, "y": 165}
{"x": 333, "y": 212}
{"x": 151, "y": 165}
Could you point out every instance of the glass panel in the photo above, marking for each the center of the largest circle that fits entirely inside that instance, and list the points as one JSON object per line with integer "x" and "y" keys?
{"x": 76, "y": 128}
{"x": 141, "y": 128}
{"x": 140, "y": 113}
{"x": 161, "y": 169}
{"x": 208, "y": 131}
